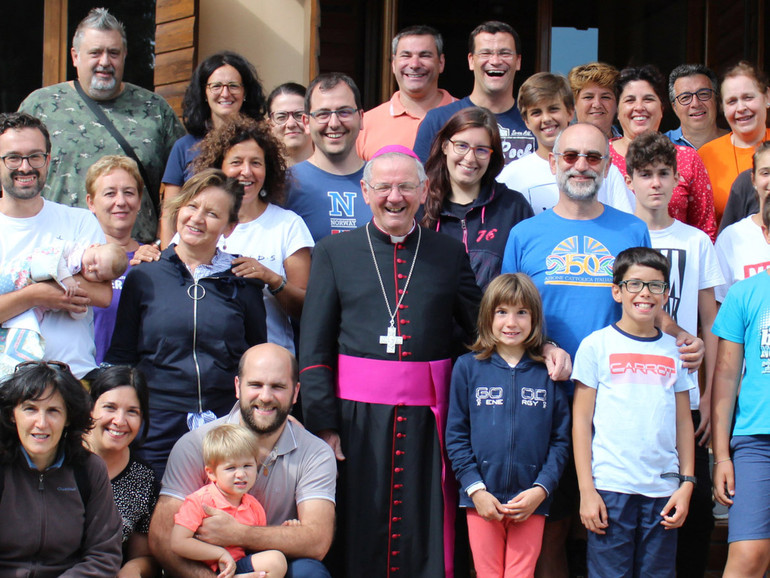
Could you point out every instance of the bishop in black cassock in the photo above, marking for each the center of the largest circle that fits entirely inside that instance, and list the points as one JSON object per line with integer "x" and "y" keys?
{"x": 380, "y": 394}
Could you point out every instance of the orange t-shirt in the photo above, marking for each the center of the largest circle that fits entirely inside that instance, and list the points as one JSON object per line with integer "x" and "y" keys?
{"x": 191, "y": 514}
{"x": 724, "y": 162}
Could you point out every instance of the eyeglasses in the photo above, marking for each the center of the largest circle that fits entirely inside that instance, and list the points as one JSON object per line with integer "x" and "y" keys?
{"x": 636, "y": 286}
{"x": 383, "y": 189}
{"x": 343, "y": 114}
{"x": 36, "y": 161}
{"x": 462, "y": 148}
{"x": 571, "y": 157}
{"x": 280, "y": 117}
{"x": 60, "y": 365}
{"x": 218, "y": 87}
{"x": 503, "y": 54}
{"x": 703, "y": 95}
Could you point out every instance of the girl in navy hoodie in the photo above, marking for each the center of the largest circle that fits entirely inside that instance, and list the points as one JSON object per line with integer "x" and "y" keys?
{"x": 507, "y": 431}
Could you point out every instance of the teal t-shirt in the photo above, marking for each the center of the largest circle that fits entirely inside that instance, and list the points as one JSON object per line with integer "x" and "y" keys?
{"x": 745, "y": 318}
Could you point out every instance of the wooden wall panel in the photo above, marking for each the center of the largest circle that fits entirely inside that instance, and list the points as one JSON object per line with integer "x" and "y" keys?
{"x": 168, "y": 10}
{"x": 174, "y": 35}
{"x": 176, "y": 48}
{"x": 174, "y": 66}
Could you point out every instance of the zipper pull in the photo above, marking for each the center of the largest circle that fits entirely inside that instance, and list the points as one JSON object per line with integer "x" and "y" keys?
{"x": 40, "y": 483}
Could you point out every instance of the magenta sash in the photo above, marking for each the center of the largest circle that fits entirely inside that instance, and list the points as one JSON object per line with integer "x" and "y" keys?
{"x": 424, "y": 383}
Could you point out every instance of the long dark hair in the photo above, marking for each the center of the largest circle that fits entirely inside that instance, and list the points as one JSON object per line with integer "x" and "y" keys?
{"x": 116, "y": 376}
{"x": 436, "y": 167}
{"x": 36, "y": 381}
{"x": 196, "y": 113}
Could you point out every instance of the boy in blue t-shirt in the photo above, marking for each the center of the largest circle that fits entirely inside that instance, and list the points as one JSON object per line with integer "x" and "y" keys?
{"x": 742, "y": 450}
{"x": 632, "y": 431}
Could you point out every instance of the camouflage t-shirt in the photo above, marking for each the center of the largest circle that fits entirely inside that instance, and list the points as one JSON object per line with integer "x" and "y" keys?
{"x": 78, "y": 140}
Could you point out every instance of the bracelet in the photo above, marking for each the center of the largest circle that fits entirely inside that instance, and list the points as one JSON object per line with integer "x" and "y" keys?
{"x": 722, "y": 461}
{"x": 278, "y": 289}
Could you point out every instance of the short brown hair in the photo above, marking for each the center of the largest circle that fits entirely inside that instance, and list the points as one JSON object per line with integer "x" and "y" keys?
{"x": 649, "y": 148}
{"x": 226, "y": 442}
{"x": 544, "y": 86}
{"x": 106, "y": 165}
{"x": 510, "y": 289}
{"x": 205, "y": 179}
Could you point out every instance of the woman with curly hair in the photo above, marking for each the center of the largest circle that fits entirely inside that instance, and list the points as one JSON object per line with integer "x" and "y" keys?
{"x": 464, "y": 199}
{"x": 224, "y": 84}
{"x": 274, "y": 243}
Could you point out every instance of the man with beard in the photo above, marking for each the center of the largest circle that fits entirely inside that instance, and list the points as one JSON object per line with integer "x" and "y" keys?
{"x": 295, "y": 482}
{"x": 569, "y": 252}
{"x": 144, "y": 120}
{"x": 29, "y": 222}
{"x": 324, "y": 190}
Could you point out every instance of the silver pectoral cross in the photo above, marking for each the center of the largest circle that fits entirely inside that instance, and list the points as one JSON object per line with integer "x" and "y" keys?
{"x": 391, "y": 339}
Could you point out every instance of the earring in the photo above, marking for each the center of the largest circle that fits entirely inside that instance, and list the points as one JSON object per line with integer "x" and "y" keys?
{"x": 263, "y": 193}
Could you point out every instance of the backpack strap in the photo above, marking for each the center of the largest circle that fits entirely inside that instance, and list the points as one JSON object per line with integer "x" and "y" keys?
{"x": 127, "y": 148}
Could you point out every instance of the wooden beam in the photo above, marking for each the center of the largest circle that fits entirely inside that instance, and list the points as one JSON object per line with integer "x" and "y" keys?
{"x": 544, "y": 24}
{"x": 389, "y": 30}
{"x": 55, "y": 51}
{"x": 314, "y": 67}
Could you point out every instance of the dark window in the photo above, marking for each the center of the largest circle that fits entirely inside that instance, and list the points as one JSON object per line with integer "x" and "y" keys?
{"x": 21, "y": 47}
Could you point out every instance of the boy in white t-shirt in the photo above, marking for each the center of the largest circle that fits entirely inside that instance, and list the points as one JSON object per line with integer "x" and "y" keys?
{"x": 546, "y": 104}
{"x": 632, "y": 431}
{"x": 695, "y": 272}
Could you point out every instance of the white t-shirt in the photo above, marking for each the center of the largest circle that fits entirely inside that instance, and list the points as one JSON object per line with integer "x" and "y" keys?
{"x": 634, "y": 439}
{"x": 742, "y": 252}
{"x": 532, "y": 177}
{"x": 694, "y": 267}
{"x": 270, "y": 239}
{"x": 66, "y": 339}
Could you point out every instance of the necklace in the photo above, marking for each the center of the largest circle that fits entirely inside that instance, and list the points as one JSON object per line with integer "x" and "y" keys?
{"x": 735, "y": 150}
{"x": 390, "y": 340}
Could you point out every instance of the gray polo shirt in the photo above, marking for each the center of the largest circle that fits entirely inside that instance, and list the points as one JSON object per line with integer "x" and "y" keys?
{"x": 300, "y": 467}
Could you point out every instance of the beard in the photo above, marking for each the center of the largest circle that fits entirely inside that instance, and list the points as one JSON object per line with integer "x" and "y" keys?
{"x": 247, "y": 415}
{"x": 11, "y": 189}
{"x": 581, "y": 191}
{"x": 104, "y": 87}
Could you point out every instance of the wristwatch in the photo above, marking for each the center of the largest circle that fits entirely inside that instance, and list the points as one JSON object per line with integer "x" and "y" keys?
{"x": 681, "y": 478}
{"x": 278, "y": 289}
